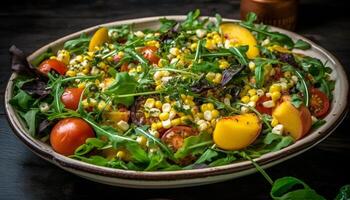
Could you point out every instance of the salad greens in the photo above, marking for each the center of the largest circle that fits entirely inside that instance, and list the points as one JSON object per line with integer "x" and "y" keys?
{"x": 160, "y": 99}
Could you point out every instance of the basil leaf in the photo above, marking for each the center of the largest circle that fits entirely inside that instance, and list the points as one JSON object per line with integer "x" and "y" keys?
{"x": 301, "y": 44}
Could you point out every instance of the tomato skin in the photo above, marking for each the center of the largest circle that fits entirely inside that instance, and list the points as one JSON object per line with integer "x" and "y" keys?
{"x": 52, "y": 64}
{"x": 71, "y": 97}
{"x": 149, "y": 52}
{"x": 260, "y": 107}
{"x": 68, "y": 134}
{"x": 175, "y": 136}
{"x": 319, "y": 105}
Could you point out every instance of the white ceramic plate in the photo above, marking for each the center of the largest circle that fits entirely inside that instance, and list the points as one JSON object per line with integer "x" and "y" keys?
{"x": 183, "y": 178}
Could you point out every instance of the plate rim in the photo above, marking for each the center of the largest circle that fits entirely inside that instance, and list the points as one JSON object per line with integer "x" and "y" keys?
{"x": 65, "y": 162}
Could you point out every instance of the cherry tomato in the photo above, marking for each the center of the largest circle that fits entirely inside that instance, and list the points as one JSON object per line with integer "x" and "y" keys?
{"x": 150, "y": 53}
{"x": 52, "y": 64}
{"x": 68, "y": 134}
{"x": 71, "y": 97}
{"x": 175, "y": 136}
{"x": 319, "y": 105}
{"x": 260, "y": 107}
{"x": 124, "y": 67}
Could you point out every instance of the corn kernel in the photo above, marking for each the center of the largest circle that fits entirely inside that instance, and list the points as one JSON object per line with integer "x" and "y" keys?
{"x": 254, "y": 98}
{"x": 223, "y": 64}
{"x": 164, "y": 116}
{"x": 166, "y": 124}
{"x": 154, "y": 126}
{"x": 139, "y": 68}
{"x": 260, "y": 92}
{"x": 275, "y": 88}
{"x": 85, "y": 103}
{"x": 193, "y": 46}
{"x": 149, "y": 103}
{"x": 176, "y": 122}
{"x": 81, "y": 85}
{"x": 101, "y": 105}
{"x": 121, "y": 155}
{"x": 251, "y": 65}
{"x": 287, "y": 74}
{"x": 275, "y": 96}
{"x": 217, "y": 78}
{"x": 203, "y": 126}
{"x": 124, "y": 126}
{"x": 245, "y": 99}
{"x": 183, "y": 96}
{"x": 162, "y": 62}
{"x": 210, "y": 106}
{"x": 204, "y": 107}
{"x": 185, "y": 119}
{"x": 166, "y": 107}
{"x": 213, "y": 122}
{"x": 174, "y": 51}
{"x": 252, "y": 92}
{"x": 274, "y": 122}
{"x": 210, "y": 76}
{"x": 142, "y": 140}
{"x": 79, "y": 58}
{"x": 158, "y": 104}
{"x": 71, "y": 73}
{"x": 63, "y": 56}
{"x": 269, "y": 104}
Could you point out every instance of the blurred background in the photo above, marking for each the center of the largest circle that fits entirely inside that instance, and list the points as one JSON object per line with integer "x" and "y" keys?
{"x": 32, "y": 24}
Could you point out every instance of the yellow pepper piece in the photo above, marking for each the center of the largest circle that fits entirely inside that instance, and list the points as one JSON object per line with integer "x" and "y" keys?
{"x": 100, "y": 37}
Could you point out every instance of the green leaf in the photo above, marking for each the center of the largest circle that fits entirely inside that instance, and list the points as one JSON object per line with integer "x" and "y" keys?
{"x": 344, "y": 193}
{"x": 290, "y": 188}
{"x": 207, "y": 156}
{"x": 275, "y": 142}
{"x": 138, "y": 154}
{"x": 123, "y": 84}
{"x": 250, "y": 18}
{"x": 240, "y": 53}
{"x": 318, "y": 124}
{"x": 223, "y": 161}
{"x": 90, "y": 144}
{"x": 22, "y": 101}
{"x": 42, "y": 57}
{"x": 259, "y": 75}
{"x": 194, "y": 145}
{"x": 30, "y": 118}
{"x": 296, "y": 100}
{"x": 96, "y": 160}
{"x": 166, "y": 24}
{"x": 79, "y": 45}
{"x": 205, "y": 67}
{"x": 301, "y": 44}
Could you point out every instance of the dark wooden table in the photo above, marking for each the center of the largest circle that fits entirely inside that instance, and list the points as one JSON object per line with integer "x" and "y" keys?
{"x": 23, "y": 175}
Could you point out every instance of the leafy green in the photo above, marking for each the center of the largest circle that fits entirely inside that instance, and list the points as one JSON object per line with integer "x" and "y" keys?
{"x": 207, "y": 156}
{"x": 191, "y": 21}
{"x": 22, "y": 100}
{"x": 166, "y": 24}
{"x": 289, "y": 188}
{"x": 194, "y": 145}
{"x": 42, "y": 57}
{"x": 260, "y": 64}
{"x": 79, "y": 45}
{"x": 123, "y": 84}
{"x": 318, "y": 123}
{"x": 301, "y": 44}
{"x": 344, "y": 193}
{"x": 96, "y": 160}
{"x": 205, "y": 67}
{"x": 296, "y": 100}
{"x": 275, "y": 142}
{"x": 90, "y": 144}
{"x": 223, "y": 161}
{"x": 30, "y": 118}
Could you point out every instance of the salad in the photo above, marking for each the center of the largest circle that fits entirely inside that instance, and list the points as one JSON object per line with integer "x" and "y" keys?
{"x": 191, "y": 94}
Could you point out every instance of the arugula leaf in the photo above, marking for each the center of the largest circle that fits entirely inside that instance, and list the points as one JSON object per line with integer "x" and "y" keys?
{"x": 194, "y": 145}
{"x": 96, "y": 160}
{"x": 275, "y": 142}
{"x": 240, "y": 53}
{"x": 344, "y": 193}
{"x": 223, "y": 161}
{"x": 79, "y": 45}
{"x": 90, "y": 144}
{"x": 301, "y": 44}
{"x": 296, "y": 100}
{"x": 318, "y": 123}
{"x": 250, "y": 19}
{"x": 207, "y": 156}
{"x": 123, "y": 84}
{"x": 166, "y": 24}
{"x": 191, "y": 21}
{"x": 259, "y": 75}
{"x": 205, "y": 67}
{"x": 286, "y": 188}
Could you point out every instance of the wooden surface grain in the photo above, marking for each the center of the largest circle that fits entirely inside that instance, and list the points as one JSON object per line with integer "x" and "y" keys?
{"x": 33, "y": 24}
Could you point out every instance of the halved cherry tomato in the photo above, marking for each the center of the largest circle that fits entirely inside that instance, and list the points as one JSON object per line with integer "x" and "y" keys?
{"x": 71, "y": 97}
{"x": 52, "y": 64}
{"x": 260, "y": 107}
{"x": 319, "y": 105}
{"x": 124, "y": 67}
{"x": 150, "y": 53}
{"x": 175, "y": 136}
{"x": 68, "y": 134}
